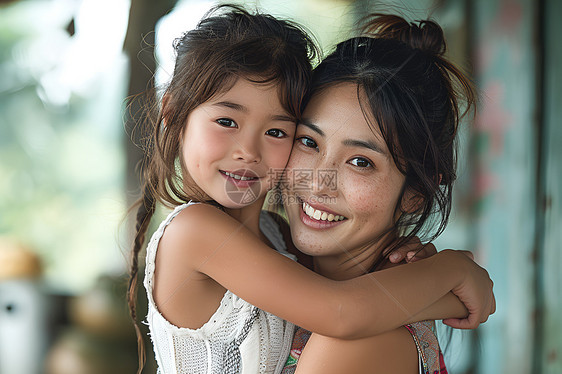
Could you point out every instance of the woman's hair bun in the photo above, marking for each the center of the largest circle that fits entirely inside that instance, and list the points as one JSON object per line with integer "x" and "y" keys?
{"x": 424, "y": 35}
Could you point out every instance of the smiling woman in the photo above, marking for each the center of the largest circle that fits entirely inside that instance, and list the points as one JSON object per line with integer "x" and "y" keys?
{"x": 335, "y": 135}
{"x": 383, "y": 117}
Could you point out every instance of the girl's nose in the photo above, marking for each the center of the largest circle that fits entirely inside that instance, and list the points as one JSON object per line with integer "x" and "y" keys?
{"x": 248, "y": 152}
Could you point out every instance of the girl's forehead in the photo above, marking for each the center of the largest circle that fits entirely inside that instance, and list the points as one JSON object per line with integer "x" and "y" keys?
{"x": 237, "y": 87}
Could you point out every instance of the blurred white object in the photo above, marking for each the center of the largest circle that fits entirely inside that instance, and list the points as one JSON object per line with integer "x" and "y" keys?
{"x": 23, "y": 312}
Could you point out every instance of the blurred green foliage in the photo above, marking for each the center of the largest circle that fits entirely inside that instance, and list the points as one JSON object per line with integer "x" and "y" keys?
{"x": 61, "y": 161}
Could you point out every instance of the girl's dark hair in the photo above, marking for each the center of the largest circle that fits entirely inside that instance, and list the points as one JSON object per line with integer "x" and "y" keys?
{"x": 227, "y": 44}
{"x": 415, "y": 95}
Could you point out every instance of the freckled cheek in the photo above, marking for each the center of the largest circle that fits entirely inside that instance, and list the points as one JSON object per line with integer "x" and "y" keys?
{"x": 307, "y": 243}
{"x": 360, "y": 196}
{"x": 298, "y": 160}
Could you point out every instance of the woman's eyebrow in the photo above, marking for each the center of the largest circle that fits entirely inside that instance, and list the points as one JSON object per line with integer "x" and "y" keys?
{"x": 364, "y": 144}
{"x": 312, "y": 126}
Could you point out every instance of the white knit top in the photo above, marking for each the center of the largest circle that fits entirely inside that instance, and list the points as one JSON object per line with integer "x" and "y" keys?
{"x": 238, "y": 338}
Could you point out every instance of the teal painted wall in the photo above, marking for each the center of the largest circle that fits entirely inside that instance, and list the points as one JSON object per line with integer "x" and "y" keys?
{"x": 549, "y": 342}
{"x": 504, "y": 178}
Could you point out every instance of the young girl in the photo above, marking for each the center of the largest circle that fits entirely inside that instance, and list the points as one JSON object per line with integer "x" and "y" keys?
{"x": 383, "y": 116}
{"x": 226, "y": 126}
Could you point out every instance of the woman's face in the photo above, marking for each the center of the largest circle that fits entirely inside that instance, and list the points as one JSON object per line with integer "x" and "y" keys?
{"x": 343, "y": 185}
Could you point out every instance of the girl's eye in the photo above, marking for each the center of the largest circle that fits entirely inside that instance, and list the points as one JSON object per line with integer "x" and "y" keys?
{"x": 307, "y": 142}
{"x": 360, "y": 162}
{"x": 226, "y": 122}
{"x": 276, "y": 133}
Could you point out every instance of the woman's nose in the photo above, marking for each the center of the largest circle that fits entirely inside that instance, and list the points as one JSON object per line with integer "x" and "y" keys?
{"x": 319, "y": 178}
{"x": 325, "y": 181}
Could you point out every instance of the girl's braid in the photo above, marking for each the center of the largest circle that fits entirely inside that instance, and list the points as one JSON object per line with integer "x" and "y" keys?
{"x": 147, "y": 206}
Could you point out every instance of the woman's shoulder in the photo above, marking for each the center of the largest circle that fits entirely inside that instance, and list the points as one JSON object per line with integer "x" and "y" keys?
{"x": 391, "y": 352}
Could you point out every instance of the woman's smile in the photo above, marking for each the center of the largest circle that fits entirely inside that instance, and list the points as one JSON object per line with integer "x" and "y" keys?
{"x": 321, "y": 218}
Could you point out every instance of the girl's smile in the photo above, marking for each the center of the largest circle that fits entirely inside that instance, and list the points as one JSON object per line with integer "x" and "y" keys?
{"x": 241, "y": 178}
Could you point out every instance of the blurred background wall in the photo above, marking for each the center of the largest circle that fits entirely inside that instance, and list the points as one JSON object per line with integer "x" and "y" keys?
{"x": 68, "y": 168}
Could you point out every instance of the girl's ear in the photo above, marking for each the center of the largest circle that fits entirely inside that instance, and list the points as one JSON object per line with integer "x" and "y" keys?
{"x": 412, "y": 201}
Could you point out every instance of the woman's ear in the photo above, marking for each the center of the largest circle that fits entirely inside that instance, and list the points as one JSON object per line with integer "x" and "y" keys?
{"x": 412, "y": 201}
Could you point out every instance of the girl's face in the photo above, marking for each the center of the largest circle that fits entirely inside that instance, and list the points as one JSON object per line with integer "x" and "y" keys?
{"x": 343, "y": 184}
{"x": 235, "y": 145}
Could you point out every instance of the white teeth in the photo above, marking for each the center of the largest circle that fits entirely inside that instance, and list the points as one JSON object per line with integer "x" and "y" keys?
{"x": 317, "y": 214}
{"x": 238, "y": 176}
{"x": 320, "y": 215}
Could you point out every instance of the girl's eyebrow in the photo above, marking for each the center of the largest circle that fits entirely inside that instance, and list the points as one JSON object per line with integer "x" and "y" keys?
{"x": 231, "y": 105}
{"x": 244, "y": 109}
{"x": 364, "y": 144}
{"x": 312, "y": 126}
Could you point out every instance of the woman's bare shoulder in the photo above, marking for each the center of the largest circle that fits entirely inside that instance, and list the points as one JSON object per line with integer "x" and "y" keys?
{"x": 391, "y": 352}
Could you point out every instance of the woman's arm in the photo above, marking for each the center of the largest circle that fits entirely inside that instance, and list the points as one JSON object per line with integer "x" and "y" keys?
{"x": 214, "y": 244}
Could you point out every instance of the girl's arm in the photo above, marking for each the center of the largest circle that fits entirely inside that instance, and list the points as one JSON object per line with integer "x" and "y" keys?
{"x": 212, "y": 243}
{"x": 447, "y": 306}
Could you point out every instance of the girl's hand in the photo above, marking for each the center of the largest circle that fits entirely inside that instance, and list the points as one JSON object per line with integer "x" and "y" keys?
{"x": 475, "y": 292}
{"x": 413, "y": 251}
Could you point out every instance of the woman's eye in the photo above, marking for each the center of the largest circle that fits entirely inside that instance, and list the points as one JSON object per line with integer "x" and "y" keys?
{"x": 276, "y": 133}
{"x": 360, "y": 162}
{"x": 307, "y": 142}
{"x": 226, "y": 122}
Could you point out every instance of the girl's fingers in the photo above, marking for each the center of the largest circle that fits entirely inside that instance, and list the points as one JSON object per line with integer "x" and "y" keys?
{"x": 396, "y": 256}
{"x": 425, "y": 251}
{"x": 456, "y": 323}
{"x": 410, "y": 249}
